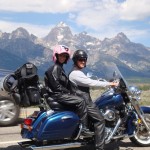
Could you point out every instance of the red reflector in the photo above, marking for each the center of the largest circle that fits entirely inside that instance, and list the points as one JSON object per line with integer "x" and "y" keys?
{"x": 28, "y": 121}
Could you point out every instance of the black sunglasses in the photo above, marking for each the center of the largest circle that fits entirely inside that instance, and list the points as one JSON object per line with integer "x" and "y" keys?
{"x": 82, "y": 59}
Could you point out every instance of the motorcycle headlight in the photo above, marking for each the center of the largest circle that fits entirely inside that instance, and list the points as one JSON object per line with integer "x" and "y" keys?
{"x": 135, "y": 92}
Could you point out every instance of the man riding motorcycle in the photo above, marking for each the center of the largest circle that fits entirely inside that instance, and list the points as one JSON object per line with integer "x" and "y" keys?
{"x": 84, "y": 83}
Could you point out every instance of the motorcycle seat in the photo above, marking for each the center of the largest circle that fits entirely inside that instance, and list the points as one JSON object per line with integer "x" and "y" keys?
{"x": 56, "y": 106}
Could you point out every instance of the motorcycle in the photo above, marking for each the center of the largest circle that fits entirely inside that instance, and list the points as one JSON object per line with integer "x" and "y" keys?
{"x": 18, "y": 89}
{"x": 59, "y": 128}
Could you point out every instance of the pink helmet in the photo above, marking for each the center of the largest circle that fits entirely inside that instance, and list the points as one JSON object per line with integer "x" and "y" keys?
{"x": 59, "y": 49}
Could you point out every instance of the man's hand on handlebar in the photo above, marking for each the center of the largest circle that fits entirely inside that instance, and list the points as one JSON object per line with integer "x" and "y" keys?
{"x": 114, "y": 83}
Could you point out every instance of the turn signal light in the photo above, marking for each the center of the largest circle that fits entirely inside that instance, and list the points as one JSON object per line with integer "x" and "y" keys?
{"x": 28, "y": 121}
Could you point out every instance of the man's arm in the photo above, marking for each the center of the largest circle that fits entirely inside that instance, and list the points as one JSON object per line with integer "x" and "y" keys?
{"x": 81, "y": 79}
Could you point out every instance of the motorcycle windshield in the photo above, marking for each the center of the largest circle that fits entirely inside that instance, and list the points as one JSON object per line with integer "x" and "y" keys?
{"x": 112, "y": 73}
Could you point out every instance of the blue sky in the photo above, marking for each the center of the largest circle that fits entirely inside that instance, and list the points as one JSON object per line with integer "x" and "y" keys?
{"x": 99, "y": 18}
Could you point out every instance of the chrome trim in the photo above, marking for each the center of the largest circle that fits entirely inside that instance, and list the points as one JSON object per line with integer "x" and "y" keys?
{"x": 66, "y": 117}
{"x": 109, "y": 115}
{"x": 123, "y": 136}
{"x": 59, "y": 146}
{"x": 80, "y": 129}
{"x": 114, "y": 131}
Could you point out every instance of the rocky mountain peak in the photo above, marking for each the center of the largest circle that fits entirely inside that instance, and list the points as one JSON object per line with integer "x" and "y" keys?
{"x": 19, "y": 33}
{"x": 84, "y": 37}
{"x": 122, "y": 37}
{"x": 58, "y": 34}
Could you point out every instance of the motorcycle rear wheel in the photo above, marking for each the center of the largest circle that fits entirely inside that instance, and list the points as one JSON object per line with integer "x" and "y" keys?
{"x": 9, "y": 111}
{"x": 141, "y": 138}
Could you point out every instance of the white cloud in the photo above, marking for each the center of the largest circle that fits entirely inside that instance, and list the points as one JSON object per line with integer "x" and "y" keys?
{"x": 135, "y": 9}
{"x": 92, "y": 14}
{"x": 41, "y": 6}
{"x": 37, "y": 30}
{"x": 100, "y": 14}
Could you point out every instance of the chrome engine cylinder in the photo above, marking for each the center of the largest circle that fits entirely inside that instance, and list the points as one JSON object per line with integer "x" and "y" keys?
{"x": 109, "y": 115}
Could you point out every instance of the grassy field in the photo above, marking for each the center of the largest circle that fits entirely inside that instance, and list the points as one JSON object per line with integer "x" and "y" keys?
{"x": 144, "y": 87}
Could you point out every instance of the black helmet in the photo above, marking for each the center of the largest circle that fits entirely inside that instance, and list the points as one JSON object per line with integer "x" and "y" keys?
{"x": 79, "y": 54}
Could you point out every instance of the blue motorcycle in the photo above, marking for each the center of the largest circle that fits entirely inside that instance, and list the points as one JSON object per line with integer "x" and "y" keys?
{"x": 57, "y": 127}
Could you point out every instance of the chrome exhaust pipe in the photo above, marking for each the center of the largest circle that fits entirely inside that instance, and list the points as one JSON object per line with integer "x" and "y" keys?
{"x": 59, "y": 146}
{"x": 124, "y": 136}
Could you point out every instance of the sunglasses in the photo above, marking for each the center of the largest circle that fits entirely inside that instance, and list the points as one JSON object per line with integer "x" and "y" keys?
{"x": 82, "y": 59}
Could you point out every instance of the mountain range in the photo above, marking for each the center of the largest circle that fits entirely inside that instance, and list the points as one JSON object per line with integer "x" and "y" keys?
{"x": 18, "y": 47}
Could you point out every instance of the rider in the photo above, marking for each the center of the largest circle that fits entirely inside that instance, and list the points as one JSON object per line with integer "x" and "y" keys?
{"x": 59, "y": 84}
{"x": 84, "y": 83}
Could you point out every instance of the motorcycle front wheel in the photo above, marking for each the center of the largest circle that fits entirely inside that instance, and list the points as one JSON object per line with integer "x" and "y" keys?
{"x": 9, "y": 111}
{"x": 142, "y": 138}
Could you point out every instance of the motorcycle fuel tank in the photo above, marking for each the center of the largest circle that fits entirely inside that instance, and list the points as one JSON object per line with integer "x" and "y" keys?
{"x": 57, "y": 125}
{"x": 109, "y": 99}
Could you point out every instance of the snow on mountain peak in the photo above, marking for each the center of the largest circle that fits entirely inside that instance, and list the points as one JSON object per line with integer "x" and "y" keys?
{"x": 62, "y": 24}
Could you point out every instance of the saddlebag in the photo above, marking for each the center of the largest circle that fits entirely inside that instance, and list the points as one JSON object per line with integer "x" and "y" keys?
{"x": 28, "y": 85}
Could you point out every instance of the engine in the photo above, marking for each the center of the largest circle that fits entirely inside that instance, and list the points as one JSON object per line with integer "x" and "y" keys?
{"x": 111, "y": 115}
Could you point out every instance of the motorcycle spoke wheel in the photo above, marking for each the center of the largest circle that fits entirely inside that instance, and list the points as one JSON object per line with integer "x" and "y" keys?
{"x": 142, "y": 138}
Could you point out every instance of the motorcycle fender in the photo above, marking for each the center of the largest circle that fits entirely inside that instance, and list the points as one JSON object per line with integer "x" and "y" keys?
{"x": 145, "y": 109}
